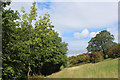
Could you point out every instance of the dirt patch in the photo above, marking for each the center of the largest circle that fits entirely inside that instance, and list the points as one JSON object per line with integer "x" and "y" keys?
{"x": 76, "y": 67}
{"x": 73, "y": 68}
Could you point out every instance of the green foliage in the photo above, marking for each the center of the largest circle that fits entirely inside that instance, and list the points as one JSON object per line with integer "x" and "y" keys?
{"x": 85, "y": 57}
{"x": 97, "y": 57}
{"x": 10, "y": 56}
{"x": 101, "y": 42}
{"x": 29, "y": 50}
{"x": 107, "y": 56}
{"x": 114, "y": 52}
{"x": 79, "y": 59}
{"x": 4, "y": 3}
{"x": 62, "y": 67}
{"x": 73, "y": 61}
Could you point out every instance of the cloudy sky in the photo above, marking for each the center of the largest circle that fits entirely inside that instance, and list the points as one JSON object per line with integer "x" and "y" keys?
{"x": 77, "y": 22}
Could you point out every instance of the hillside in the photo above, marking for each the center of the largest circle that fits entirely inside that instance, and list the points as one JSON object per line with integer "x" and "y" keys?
{"x": 105, "y": 69}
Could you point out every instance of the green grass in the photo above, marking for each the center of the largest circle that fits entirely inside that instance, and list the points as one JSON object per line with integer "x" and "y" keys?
{"x": 105, "y": 69}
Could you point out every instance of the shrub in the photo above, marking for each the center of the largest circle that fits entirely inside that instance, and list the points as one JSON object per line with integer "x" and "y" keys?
{"x": 73, "y": 61}
{"x": 85, "y": 57}
{"x": 79, "y": 59}
{"x": 114, "y": 52}
{"x": 106, "y": 56}
{"x": 62, "y": 67}
{"x": 97, "y": 57}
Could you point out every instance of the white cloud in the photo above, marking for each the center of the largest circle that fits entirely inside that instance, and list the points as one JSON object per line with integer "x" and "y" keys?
{"x": 77, "y": 35}
{"x": 74, "y": 44}
{"x": 77, "y": 46}
{"x": 18, "y": 6}
{"x": 97, "y": 32}
{"x": 114, "y": 31}
{"x": 92, "y": 34}
{"x": 83, "y": 34}
{"x": 69, "y": 17}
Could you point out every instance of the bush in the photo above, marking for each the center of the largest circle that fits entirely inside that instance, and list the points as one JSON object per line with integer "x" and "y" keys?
{"x": 85, "y": 57}
{"x": 114, "y": 52}
{"x": 73, "y": 61}
{"x": 97, "y": 57}
{"x": 62, "y": 67}
{"x": 36, "y": 77}
{"x": 106, "y": 56}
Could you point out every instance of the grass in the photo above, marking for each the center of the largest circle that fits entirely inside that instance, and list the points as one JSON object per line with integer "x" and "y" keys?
{"x": 105, "y": 69}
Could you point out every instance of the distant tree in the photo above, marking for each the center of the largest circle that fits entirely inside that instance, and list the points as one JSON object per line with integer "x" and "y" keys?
{"x": 114, "y": 52}
{"x": 102, "y": 42}
{"x": 97, "y": 57}
{"x": 85, "y": 57}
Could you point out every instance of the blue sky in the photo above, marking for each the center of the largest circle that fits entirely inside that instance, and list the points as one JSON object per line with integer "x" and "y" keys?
{"x": 78, "y": 22}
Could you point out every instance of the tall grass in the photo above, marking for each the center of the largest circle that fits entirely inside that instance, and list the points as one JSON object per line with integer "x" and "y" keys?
{"x": 105, "y": 69}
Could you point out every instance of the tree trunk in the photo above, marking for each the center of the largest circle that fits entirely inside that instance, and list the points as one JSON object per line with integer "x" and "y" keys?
{"x": 29, "y": 58}
{"x": 28, "y": 74}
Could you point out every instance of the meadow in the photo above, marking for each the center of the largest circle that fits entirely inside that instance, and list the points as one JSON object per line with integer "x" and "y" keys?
{"x": 104, "y": 69}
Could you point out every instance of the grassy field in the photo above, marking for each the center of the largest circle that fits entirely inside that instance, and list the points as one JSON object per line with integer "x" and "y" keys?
{"x": 105, "y": 69}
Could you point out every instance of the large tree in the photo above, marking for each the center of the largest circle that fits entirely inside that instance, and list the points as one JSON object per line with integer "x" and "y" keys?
{"x": 8, "y": 32}
{"x": 101, "y": 42}
{"x": 45, "y": 48}
{"x": 29, "y": 48}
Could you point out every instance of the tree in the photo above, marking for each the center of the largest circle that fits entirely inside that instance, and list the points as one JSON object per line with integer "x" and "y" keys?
{"x": 46, "y": 49}
{"x": 114, "y": 52}
{"x": 102, "y": 42}
{"x": 36, "y": 50}
{"x": 4, "y": 3}
{"x": 97, "y": 57}
{"x": 8, "y": 32}
{"x": 52, "y": 50}
{"x": 83, "y": 58}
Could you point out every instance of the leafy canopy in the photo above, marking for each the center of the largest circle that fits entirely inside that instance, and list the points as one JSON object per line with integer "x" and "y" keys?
{"x": 35, "y": 48}
{"x": 102, "y": 42}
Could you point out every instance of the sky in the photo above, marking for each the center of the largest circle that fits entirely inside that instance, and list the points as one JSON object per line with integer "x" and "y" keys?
{"x": 77, "y": 21}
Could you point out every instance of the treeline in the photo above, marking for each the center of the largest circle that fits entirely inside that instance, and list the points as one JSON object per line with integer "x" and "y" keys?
{"x": 95, "y": 57}
{"x": 28, "y": 50}
{"x": 99, "y": 48}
